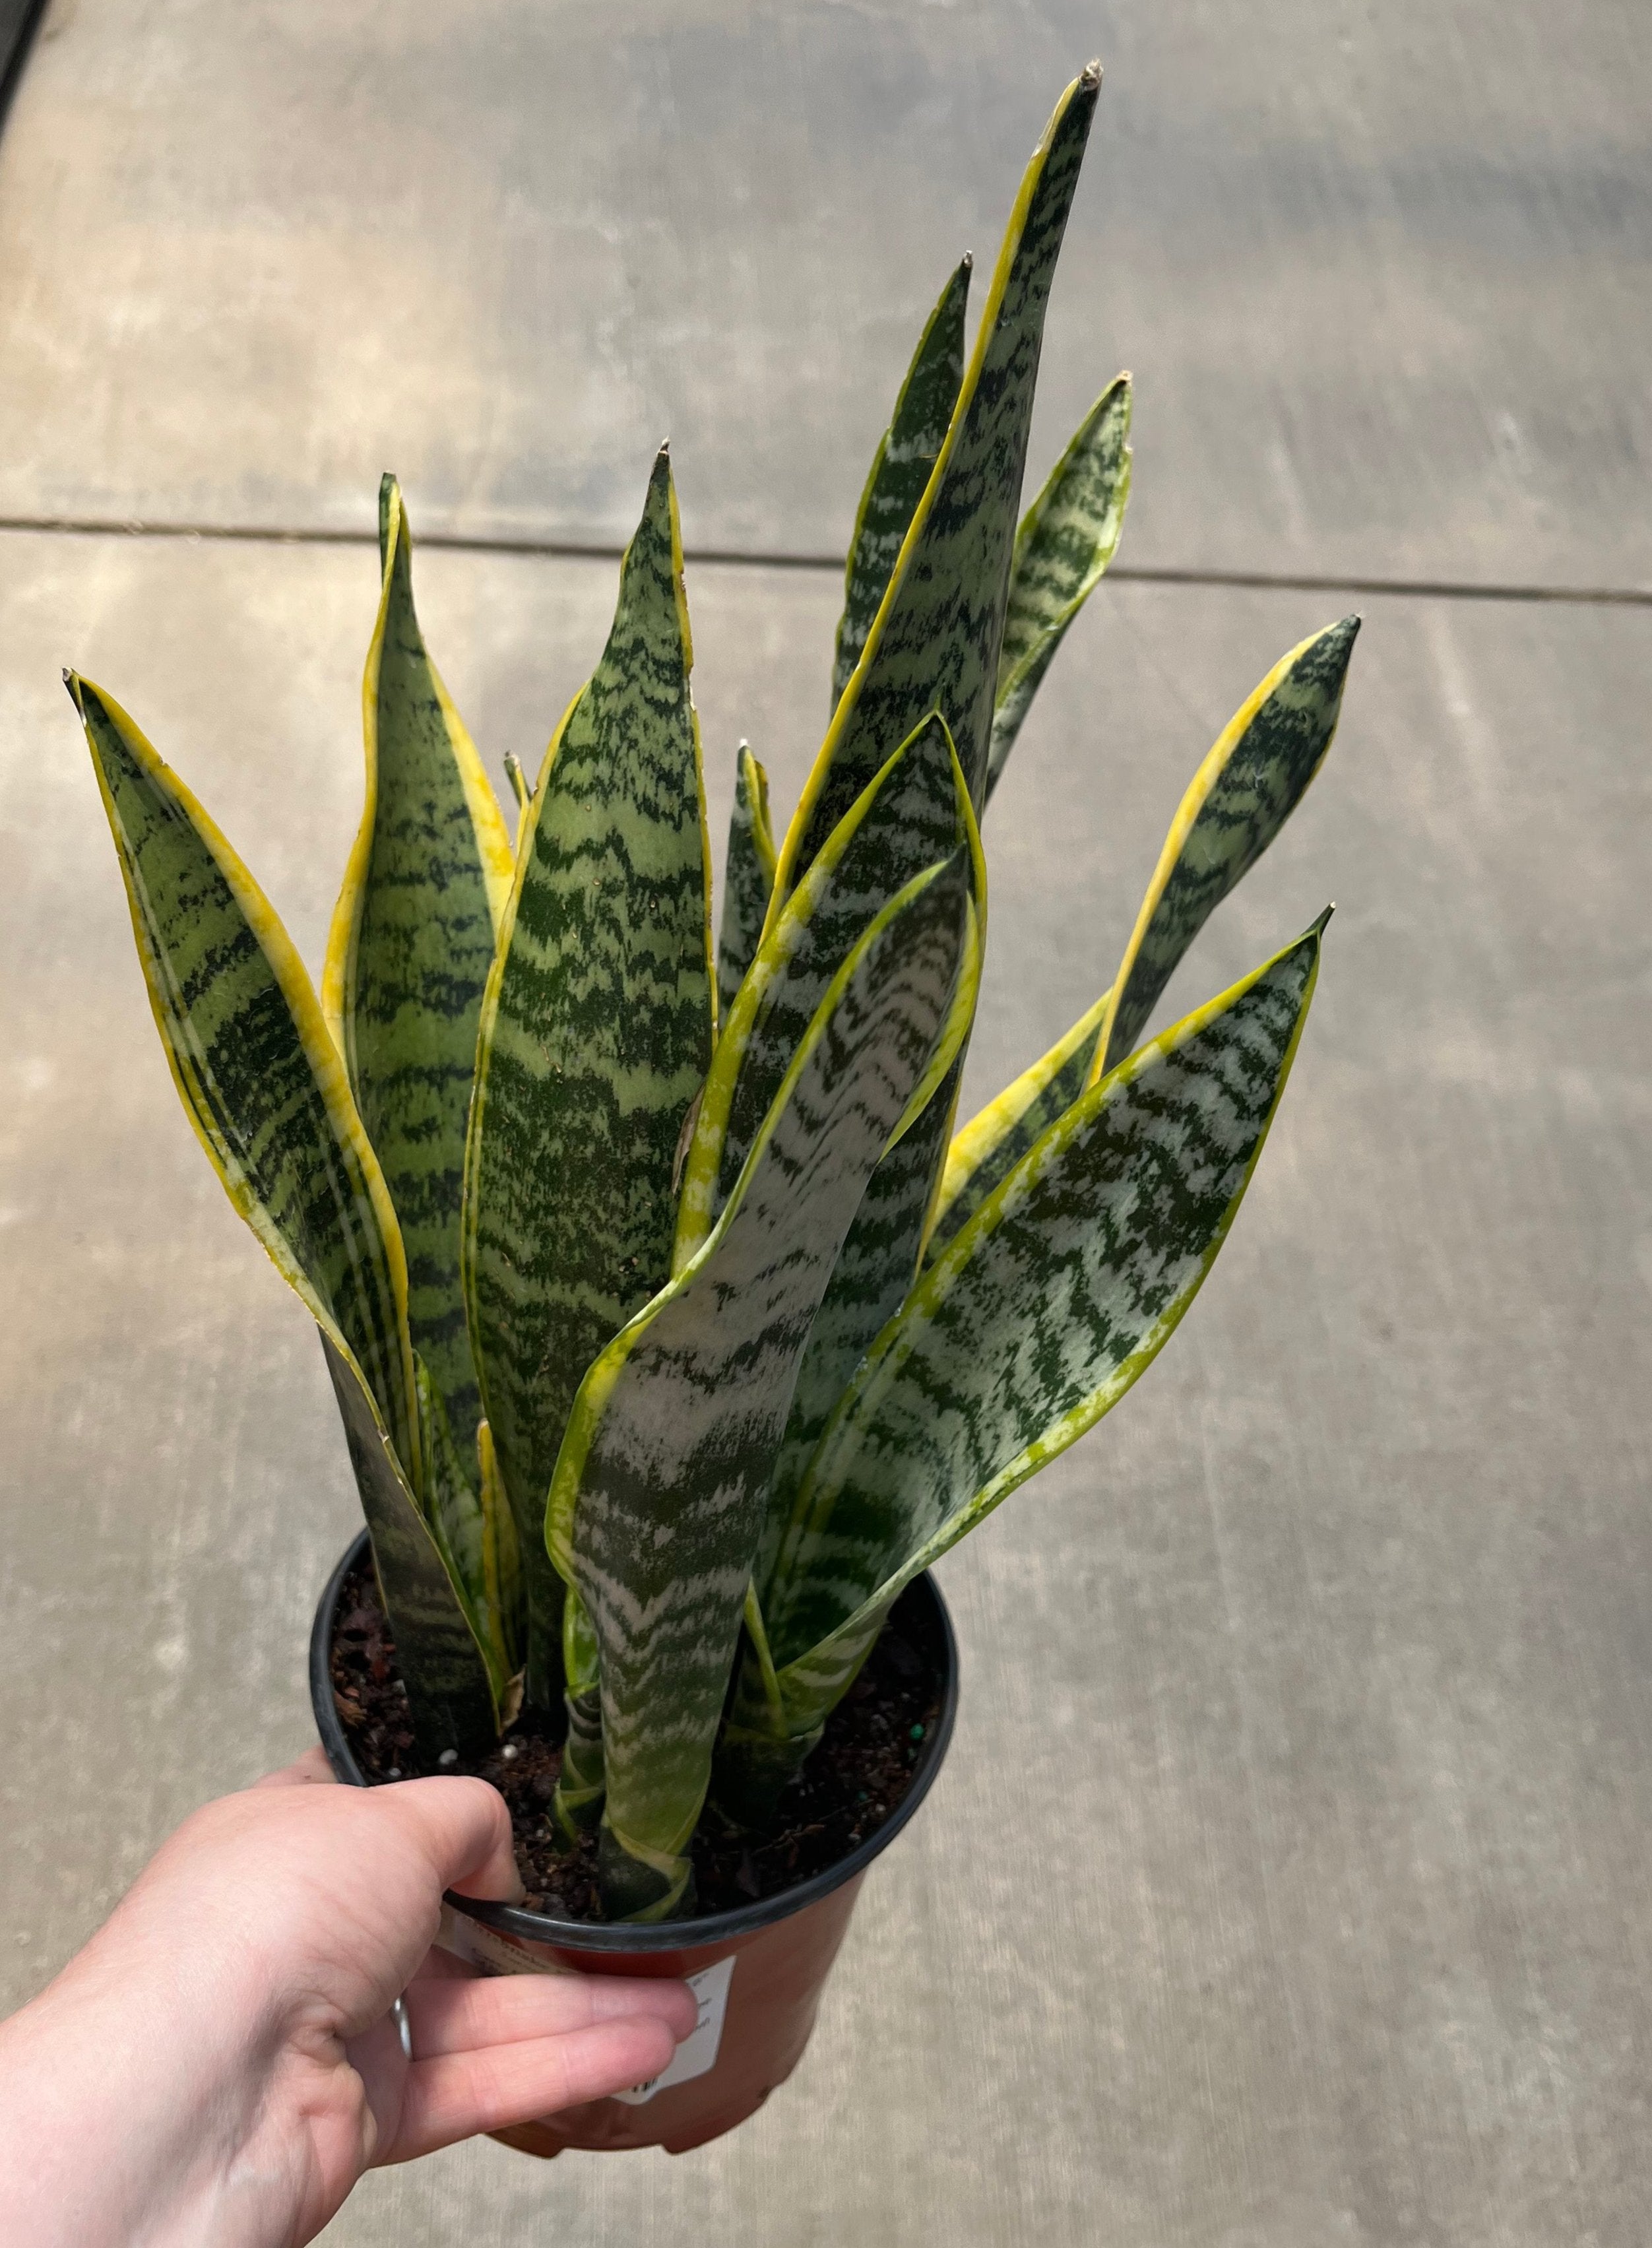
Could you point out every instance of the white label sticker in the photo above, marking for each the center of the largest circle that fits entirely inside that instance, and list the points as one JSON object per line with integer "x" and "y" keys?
{"x": 498, "y": 1954}
{"x": 698, "y": 2052}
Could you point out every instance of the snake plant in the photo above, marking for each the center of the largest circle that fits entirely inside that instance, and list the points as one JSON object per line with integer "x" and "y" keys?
{"x": 674, "y": 1326}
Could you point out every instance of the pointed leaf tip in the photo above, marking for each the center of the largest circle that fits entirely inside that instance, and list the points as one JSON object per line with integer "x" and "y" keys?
{"x": 1321, "y": 925}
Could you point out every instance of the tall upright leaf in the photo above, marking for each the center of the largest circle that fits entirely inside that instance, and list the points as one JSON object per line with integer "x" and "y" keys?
{"x": 915, "y": 812}
{"x": 872, "y": 1278}
{"x": 660, "y": 1489}
{"x": 596, "y": 1034}
{"x": 935, "y": 642}
{"x": 748, "y": 879}
{"x": 263, "y": 1086}
{"x": 408, "y": 959}
{"x": 1043, "y": 1310}
{"x": 900, "y": 469}
{"x": 455, "y": 1696}
{"x": 993, "y": 1142}
{"x": 1067, "y": 539}
{"x": 1237, "y": 803}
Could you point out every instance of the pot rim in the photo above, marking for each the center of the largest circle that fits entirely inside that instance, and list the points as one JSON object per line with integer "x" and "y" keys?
{"x": 629, "y": 1936}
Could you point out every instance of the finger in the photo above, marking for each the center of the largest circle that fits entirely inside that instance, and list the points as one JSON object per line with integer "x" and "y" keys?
{"x": 456, "y": 2017}
{"x": 310, "y": 1770}
{"x": 457, "y": 2095}
{"x": 462, "y": 1829}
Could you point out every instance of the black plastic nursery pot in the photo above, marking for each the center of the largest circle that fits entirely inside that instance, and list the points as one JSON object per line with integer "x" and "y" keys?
{"x": 757, "y": 1971}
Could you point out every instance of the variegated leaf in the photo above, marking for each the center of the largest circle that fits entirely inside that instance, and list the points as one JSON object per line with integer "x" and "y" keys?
{"x": 581, "y": 1783}
{"x": 452, "y": 1699}
{"x": 458, "y": 1523}
{"x": 264, "y": 1086}
{"x": 408, "y": 959}
{"x": 1042, "y": 1311}
{"x": 1067, "y": 539}
{"x": 259, "y": 1076}
{"x": 900, "y": 469}
{"x": 659, "y": 1492}
{"x": 915, "y": 813}
{"x": 872, "y": 1278}
{"x": 748, "y": 880}
{"x": 935, "y": 641}
{"x": 597, "y": 1032}
{"x": 1239, "y": 799}
{"x": 993, "y": 1142}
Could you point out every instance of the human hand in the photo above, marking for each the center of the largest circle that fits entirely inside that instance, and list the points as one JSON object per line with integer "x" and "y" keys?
{"x": 220, "y": 2064}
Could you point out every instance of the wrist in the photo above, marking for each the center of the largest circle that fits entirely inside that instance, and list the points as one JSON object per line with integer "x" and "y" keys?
{"x": 126, "y": 2097}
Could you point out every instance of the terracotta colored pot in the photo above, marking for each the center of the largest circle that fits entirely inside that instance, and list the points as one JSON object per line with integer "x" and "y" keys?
{"x": 758, "y": 1972}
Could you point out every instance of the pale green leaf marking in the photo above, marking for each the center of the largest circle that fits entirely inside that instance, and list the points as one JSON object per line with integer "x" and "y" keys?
{"x": 1067, "y": 539}
{"x": 901, "y": 470}
{"x": 935, "y": 641}
{"x": 915, "y": 813}
{"x": 597, "y": 1032}
{"x": 748, "y": 880}
{"x": 1238, "y": 802}
{"x": 1042, "y": 1312}
{"x": 659, "y": 1492}
{"x": 408, "y": 959}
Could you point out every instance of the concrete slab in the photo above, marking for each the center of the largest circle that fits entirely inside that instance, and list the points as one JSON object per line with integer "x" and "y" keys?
{"x": 1287, "y": 1882}
{"x": 1382, "y": 273}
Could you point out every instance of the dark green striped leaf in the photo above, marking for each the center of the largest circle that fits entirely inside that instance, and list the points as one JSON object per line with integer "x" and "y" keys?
{"x": 900, "y": 469}
{"x": 577, "y": 1803}
{"x": 1067, "y": 539}
{"x": 264, "y": 1086}
{"x": 259, "y": 1076}
{"x": 993, "y": 1142}
{"x": 1239, "y": 799}
{"x": 457, "y": 1518}
{"x": 596, "y": 1034}
{"x": 659, "y": 1493}
{"x": 451, "y": 1699}
{"x": 872, "y": 1278}
{"x": 748, "y": 880}
{"x": 411, "y": 945}
{"x": 1046, "y": 1308}
{"x": 935, "y": 641}
{"x": 915, "y": 813}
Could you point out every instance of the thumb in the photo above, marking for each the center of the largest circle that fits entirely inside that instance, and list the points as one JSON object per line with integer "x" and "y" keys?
{"x": 461, "y": 1828}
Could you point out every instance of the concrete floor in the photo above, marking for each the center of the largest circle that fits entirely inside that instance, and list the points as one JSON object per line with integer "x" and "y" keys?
{"x": 1285, "y": 1888}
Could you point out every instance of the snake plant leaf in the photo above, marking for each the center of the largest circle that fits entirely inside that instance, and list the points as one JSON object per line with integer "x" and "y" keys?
{"x": 260, "y": 1078}
{"x": 577, "y": 1803}
{"x": 501, "y": 1561}
{"x": 264, "y": 1086}
{"x": 993, "y": 1142}
{"x": 453, "y": 1698}
{"x": 935, "y": 641}
{"x": 597, "y": 1032}
{"x": 659, "y": 1493}
{"x": 456, "y": 1515}
{"x": 1042, "y": 1312}
{"x": 748, "y": 880}
{"x": 872, "y": 1278}
{"x": 900, "y": 469}
{"x": 408, "y": 959}
{"x": 1237, "y": 803}
{"x": 914, "y": 813}
{"x": 1067, "y": 539}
